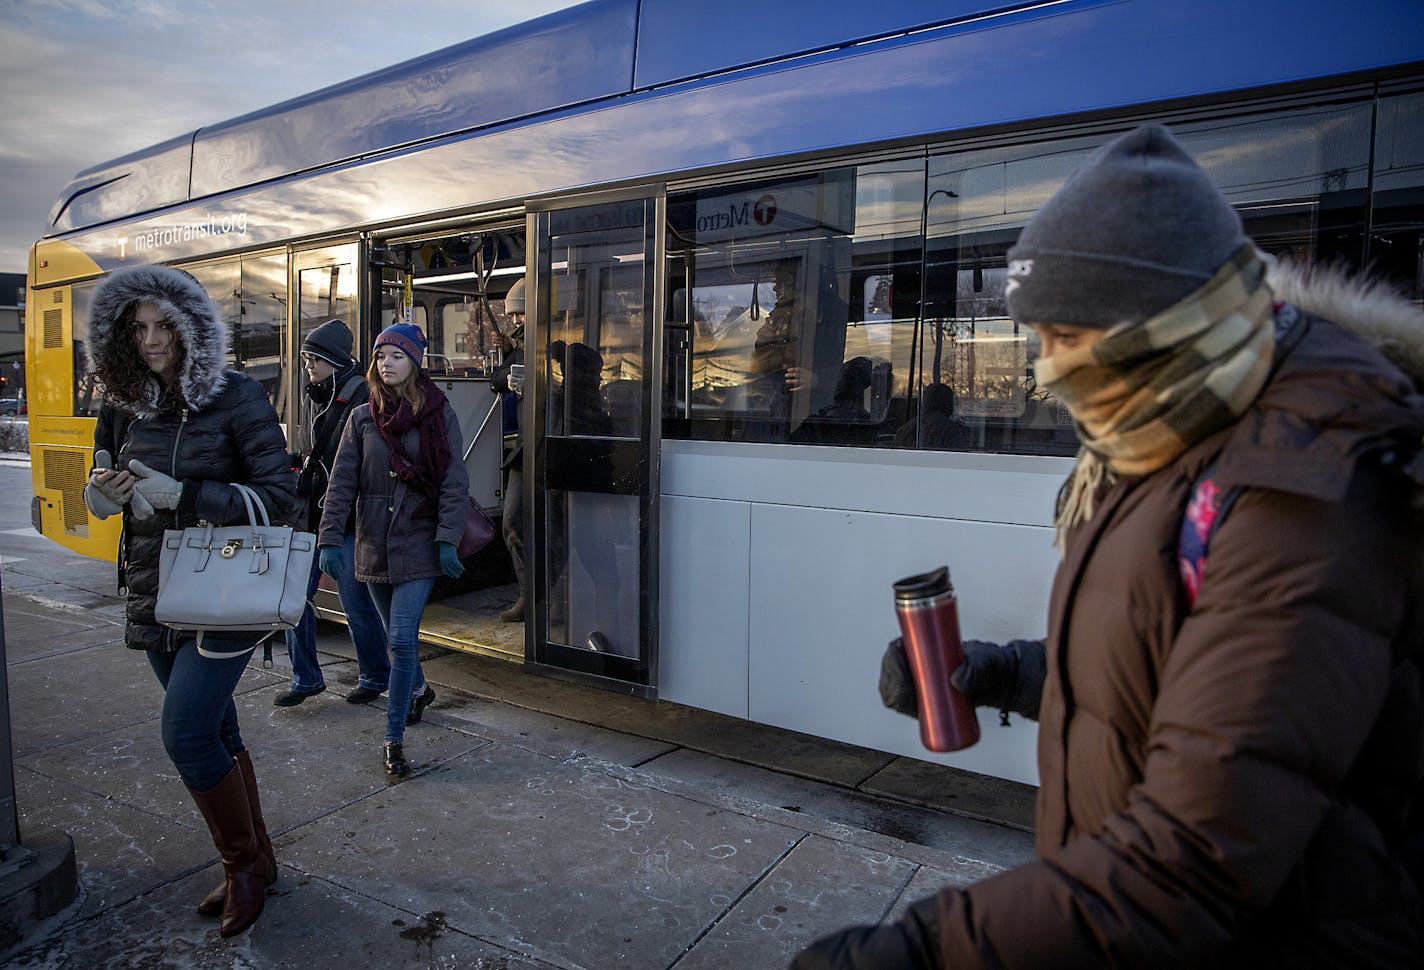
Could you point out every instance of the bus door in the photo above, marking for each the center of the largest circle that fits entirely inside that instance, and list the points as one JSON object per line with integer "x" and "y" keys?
{"x": 590, "y": 402}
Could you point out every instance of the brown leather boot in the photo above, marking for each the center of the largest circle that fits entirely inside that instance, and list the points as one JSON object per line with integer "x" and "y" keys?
{"x": 229, "y": 817}
{"x": 212, "y": 904}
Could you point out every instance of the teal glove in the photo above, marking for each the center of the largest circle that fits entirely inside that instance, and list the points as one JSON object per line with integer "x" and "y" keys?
{"x": 450, "y": 560}
{"x": 153, "y": 490}
{"x": 332, "y": 560}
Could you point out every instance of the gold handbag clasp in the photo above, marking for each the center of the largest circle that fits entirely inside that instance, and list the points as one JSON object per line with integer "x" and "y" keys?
{"x": 230, "y": 548}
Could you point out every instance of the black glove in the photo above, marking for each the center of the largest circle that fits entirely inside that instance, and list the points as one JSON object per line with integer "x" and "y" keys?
{"x": 897, "y": 685}
{"x": 910, "y": 943}
{"x": 1006, "y": 676}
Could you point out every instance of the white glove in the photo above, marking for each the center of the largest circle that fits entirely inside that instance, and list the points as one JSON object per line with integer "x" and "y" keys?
{"x": 153, "y": 490}
{"x": 105, "y": 494}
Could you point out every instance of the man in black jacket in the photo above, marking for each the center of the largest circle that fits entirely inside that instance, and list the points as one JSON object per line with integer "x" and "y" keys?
{"x": 335, "y": 386}
{"x": 508, "y": 381}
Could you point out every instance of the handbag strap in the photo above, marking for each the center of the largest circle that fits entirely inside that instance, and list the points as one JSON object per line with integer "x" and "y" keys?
{"x": 249, "y": 497}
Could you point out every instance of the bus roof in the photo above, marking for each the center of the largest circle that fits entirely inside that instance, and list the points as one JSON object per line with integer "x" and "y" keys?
{"x": 737, "y": 80}
{"x": 583, "y": 54}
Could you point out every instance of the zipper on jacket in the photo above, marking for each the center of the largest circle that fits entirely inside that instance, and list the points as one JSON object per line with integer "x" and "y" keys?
{"x": 177, "y": 438}
{"x": 128, "y": 437}
{"x": 123, "y": 560}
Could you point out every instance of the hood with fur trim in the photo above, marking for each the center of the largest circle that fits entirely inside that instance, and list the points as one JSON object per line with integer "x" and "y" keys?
{"x": 1371, "y": 309}
{"x": 1349, "y": 384}
{"x": 128, "y": 384}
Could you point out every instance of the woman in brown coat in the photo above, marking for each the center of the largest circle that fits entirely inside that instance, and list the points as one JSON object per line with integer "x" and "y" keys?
{"x": 1226, "y": 758}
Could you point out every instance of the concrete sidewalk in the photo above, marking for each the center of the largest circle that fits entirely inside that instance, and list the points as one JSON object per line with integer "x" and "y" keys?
{"x": 548, "y": 825}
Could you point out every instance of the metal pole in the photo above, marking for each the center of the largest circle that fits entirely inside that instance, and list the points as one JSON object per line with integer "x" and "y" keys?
{"x": 12, "y": 854}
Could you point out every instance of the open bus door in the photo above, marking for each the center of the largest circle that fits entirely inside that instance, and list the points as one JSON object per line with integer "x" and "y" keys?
{"x": 592, "y": 419}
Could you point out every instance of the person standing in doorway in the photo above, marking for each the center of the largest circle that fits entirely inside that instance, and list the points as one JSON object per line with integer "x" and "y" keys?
{"x": 509, "y": 382}
{"x": 399, "y": 470}
{"x": 335, "y": 386}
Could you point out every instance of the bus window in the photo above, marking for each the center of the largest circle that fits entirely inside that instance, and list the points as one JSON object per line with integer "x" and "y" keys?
{"x": 261, "y": 338}
{"x": 1396, "y": 244}
{"x": 251, "y": 296}
{"x": 456, "y": 291}
{"x": 327, "y": 291}
{"x": 1298, "y": 178}
{"x": 88, "y": 395}
{"x": 793, "y": 306}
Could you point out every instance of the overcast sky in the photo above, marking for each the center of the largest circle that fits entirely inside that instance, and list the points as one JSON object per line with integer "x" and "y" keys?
{"x": 85, "y": 81}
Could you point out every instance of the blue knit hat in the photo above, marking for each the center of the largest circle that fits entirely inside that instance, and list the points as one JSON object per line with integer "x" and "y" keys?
{"x": 405, "y": 337}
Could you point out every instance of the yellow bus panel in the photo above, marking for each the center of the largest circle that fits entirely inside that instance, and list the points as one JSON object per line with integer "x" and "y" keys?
{"x": 61, "y": 445}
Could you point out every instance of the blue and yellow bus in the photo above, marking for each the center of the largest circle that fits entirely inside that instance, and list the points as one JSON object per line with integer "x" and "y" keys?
{"x": 769, "y": 369}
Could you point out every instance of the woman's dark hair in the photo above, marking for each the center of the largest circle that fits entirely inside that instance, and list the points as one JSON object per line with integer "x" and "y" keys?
{"x": 122, "y": 370}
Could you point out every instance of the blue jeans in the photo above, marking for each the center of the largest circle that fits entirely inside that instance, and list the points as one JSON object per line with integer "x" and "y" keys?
{"x": 363, "y": 624}
{"x": 199, "y": 718}
{"x": 400, "y": 606}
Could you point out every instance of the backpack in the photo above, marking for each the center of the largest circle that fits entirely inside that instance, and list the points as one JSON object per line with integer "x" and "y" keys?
{"x": 1206, "y": 509}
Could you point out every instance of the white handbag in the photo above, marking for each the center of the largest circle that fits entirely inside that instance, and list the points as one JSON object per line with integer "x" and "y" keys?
{"x": 249, "y": 577}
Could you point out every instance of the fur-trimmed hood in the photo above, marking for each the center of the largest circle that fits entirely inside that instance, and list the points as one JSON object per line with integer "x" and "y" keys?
{"x": 182, "y": 299}
{"x": 1371, "y": 309}
{"x": 1348, "y": 385}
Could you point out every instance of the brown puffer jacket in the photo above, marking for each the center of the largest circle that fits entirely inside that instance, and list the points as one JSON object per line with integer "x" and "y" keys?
{"x": 1216, "y": 784}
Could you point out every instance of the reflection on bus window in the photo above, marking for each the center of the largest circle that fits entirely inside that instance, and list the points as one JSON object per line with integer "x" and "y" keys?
{"x": 251, "y": 296}
{"x": 1396, "y": 241}
{"x": 1298, "y": 179}
{"x": 596, "y": 324}
{"x": 327, "y": 292}
{"x": 88, "y": 395}
{"x": 793, "y": 307}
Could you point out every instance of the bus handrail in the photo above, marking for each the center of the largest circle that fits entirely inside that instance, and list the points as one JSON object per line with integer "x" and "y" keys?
{"x": 474, "y": 438}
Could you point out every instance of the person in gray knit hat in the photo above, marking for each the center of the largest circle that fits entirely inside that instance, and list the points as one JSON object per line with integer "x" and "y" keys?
{"x": 1134, "y": 231}
{"x": 1229, "y": 757}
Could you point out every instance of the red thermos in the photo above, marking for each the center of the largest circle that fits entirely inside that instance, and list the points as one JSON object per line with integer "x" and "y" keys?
{"x": 929, "y": 624}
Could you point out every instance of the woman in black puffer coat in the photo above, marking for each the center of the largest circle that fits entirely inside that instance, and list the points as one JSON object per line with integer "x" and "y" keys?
{"x": 176, "y": 430}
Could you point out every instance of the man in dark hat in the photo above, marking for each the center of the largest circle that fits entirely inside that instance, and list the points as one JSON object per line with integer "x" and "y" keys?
{"x": 336, "y": 384}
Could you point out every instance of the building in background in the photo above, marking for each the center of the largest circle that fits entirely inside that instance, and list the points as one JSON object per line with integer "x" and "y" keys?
{"x": 12, "y": 340}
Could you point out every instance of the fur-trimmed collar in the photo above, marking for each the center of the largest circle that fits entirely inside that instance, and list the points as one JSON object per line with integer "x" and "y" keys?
{"x": 196, "y": 322}
{"x": 1371, "y": 309}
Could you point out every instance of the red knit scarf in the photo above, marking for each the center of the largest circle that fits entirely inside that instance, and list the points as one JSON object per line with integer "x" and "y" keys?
{"x": 394, "y": 418}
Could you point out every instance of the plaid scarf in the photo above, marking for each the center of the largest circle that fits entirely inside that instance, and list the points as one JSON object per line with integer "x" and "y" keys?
{"x": 1148, "y": 391}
